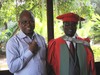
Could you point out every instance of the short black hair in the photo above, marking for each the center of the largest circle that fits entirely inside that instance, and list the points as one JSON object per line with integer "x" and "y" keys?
{"x": 24, "y": 11}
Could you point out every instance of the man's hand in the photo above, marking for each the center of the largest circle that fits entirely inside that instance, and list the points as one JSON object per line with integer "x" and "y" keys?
{"x": 33, "y": 47}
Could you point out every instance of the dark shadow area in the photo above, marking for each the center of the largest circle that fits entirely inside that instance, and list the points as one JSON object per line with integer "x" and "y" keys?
{"x": 5, "y": 72}
{"x": 97, "y": 64}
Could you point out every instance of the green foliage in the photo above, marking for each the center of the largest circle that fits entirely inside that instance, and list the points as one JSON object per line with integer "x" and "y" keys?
{"x": 7, "y": 14}
{"x": 95, "y": 29}
{"x": 96, "y": 5}
{"x": 96, "y": 51}
{"x": 78, "y": 6}
{"x": 5, "y": 35}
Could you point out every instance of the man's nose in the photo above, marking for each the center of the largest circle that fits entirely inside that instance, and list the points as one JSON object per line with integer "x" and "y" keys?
{"x": 29, "y": 23}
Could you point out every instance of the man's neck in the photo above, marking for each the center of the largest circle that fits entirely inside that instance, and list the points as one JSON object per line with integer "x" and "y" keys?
{"x": 30, "y": 34}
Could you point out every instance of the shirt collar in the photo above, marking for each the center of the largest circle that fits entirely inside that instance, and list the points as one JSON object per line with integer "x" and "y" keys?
{"x": 23, "y": 35}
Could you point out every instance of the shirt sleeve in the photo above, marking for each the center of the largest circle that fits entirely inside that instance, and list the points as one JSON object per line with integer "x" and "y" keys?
{"x": 15, "y": 60}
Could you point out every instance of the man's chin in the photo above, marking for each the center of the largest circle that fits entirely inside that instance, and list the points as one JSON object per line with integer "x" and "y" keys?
{"x": 29, "y": 32}
{"x": 70, "y": 35}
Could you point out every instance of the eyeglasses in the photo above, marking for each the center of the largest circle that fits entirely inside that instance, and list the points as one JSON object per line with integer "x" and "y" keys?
{"x": 25, "y": 22}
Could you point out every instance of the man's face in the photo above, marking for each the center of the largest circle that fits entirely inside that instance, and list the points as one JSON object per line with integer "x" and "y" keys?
{"x": 70, "y": 28}
{"x": 27, "y": 23}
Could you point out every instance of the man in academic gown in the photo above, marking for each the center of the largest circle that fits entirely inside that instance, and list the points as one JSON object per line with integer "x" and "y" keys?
{"x": 61, "y": 59}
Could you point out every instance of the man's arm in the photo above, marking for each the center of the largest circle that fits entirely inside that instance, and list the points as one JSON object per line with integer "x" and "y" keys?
{"x": 16, "y": 61}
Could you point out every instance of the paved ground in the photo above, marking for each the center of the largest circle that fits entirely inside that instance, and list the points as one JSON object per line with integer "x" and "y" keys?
{"x": 3, "y": 63}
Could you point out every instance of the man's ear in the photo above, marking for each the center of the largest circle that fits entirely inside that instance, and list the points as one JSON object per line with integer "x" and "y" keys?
{"x": 19, "y": 24}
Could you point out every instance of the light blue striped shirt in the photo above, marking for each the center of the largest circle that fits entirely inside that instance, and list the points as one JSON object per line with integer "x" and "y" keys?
{"x": 20, "y": 59}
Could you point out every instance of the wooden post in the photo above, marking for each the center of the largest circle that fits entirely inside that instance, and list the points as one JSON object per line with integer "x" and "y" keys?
{"x": 50, "y": 23}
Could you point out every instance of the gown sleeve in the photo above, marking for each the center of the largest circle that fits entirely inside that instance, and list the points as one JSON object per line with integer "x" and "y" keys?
{"x": 50, "y": 57}
{"x": 90, "y": 59}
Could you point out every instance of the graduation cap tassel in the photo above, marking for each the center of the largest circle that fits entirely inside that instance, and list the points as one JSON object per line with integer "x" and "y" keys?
{"x": 80, "y": 23}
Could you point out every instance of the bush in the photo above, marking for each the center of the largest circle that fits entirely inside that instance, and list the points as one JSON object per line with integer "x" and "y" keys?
{"x": 96, "y": 51}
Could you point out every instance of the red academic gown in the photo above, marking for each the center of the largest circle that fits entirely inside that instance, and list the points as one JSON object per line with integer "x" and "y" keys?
{"x": 53, "y": 56}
